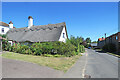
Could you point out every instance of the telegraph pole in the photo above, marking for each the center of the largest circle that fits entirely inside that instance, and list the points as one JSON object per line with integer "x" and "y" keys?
{"x": 105, "y": 38}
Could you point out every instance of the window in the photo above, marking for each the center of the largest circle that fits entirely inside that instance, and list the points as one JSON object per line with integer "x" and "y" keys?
{"x": 63, "y": 35}
{"x": 3, "y": 30}
{"x": 116, "y": 37}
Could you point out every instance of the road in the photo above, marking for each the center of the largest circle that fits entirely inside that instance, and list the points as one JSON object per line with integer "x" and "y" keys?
{"x": 101, "y": 65}
{"x": 94, "y": 64}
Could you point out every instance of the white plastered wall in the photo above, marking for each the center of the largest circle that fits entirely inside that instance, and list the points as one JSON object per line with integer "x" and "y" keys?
{"x": 61, "y": 36}
{"x": 6, "y": 29}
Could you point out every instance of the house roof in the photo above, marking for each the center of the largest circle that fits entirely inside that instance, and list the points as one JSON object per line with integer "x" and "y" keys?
{"x": 3, "y": 24}
{"x": 101, "y": 39}
{"x": 113, "y": 34}
{"x": 41, "y": 33}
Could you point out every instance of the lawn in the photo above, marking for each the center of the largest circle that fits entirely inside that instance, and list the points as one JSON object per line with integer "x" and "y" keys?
{"x": 58, "y": 63}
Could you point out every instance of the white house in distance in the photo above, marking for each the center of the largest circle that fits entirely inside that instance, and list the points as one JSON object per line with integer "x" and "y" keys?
{"x": 40, "y": 33}
{"x": 4, "y": 27}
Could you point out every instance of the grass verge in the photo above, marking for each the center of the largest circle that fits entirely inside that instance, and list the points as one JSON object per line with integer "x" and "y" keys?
{"x": 113, "y": 54}
{"x": 108, "y": 52}
{"x": 59, "y": 63}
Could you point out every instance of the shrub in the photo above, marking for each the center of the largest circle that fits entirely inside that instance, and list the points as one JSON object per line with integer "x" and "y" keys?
{"x": 69, "y": 54}
{"x": 36, "y": 48}
{"x": 48, "y": 55}
{"x": 14, "y": 48}
{"x": 87, "y": 45}
{"x": 47, "y": 47}
{"x": 28, "y": 51}
{"x": 109, "y": 47}
{"x": 82, "y": 49}
{"x": 18, "y": 48}
{"x": 24, "y": 49}
{"x": 56, "y": 55}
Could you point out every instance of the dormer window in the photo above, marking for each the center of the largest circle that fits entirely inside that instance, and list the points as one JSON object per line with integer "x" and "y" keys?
{"x": 3, "y": 30}
{"x": 63, "y": 35}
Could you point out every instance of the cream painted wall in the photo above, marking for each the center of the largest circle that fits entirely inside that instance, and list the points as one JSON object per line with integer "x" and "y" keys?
{"x": 10, "y": 25}
{"x": 65, "y": 36}
{"x": 6, "y": 29}
{"x": 30, "y": 22}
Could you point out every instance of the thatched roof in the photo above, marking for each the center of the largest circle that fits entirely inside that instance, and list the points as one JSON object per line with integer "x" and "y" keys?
{"x": 41, "y": 33}
{"x": 4, "y": 24}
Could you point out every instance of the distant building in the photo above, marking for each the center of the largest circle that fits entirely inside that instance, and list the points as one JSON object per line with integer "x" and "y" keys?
{"x": 41, "y": 33}
{"x": 93, "y": 45}
{"x": 101, "y": 42}
{"x": 115, "y": 39}
{"x": 4, "y": 27}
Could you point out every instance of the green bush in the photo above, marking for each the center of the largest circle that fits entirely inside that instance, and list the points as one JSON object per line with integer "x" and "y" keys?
{"x": 56, "y": 55}
{"x": 18, "y": 48}
{"x": 54, "y": 48}
{"x": 24, "y": 49}
{"x": 87, "y": 45}
{"x": 48, "y": 55}
{"x": 109, "y": 47}
{"x": 28, "y": 51}
{"x": 47, "y": 48}
{"x": 36, "y": 48}
{"x": 82, "y": 49}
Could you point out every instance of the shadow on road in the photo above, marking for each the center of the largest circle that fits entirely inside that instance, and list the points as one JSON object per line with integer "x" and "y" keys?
{"x": 100, "y": 51}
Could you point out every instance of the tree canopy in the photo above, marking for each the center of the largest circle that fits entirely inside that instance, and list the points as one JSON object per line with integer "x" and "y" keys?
{"x": 88, "y": 40}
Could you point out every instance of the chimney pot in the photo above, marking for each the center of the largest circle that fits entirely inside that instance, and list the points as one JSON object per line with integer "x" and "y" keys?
{"x": 30, "y": 21}
{"x": 10, "y": 24}
{"x": 30, "y": 17}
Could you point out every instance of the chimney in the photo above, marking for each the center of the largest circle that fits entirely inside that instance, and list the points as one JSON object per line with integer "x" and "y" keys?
{"x": 30, "y": 21}
{"x": 102, "y": 38}
{"x": 10, "y": 24}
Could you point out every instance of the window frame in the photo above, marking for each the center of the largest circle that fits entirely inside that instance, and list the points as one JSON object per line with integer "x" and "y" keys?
{"x": 3, "y": 30}
{"x": 63, "y": 35}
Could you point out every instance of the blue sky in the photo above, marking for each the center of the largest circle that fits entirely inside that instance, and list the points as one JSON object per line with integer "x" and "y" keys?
{"x": 86, "y": 19}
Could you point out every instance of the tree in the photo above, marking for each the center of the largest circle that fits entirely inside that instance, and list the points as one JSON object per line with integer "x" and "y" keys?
{"x": 94, "y": 42}
{"x": 75, "y": 41}
{"x": 88, "y": 40}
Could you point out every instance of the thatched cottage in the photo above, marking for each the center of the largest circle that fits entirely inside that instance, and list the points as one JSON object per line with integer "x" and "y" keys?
{"x": 41, "y": 33}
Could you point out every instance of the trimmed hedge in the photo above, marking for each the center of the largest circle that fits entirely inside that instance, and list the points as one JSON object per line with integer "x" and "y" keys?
{"x": 109, "y": 47}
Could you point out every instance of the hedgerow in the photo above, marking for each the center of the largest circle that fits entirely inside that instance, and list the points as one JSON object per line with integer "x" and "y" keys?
{"x": 46, "y": 48}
